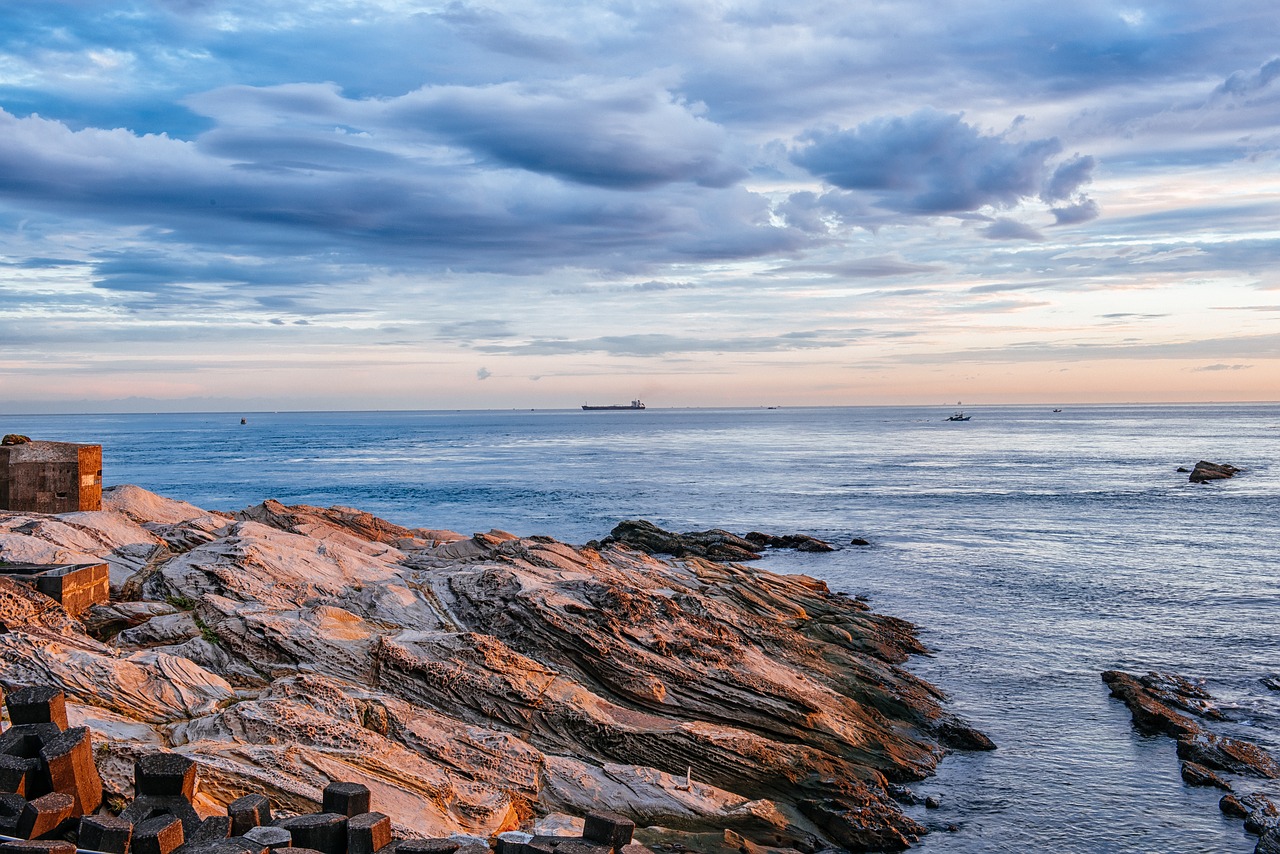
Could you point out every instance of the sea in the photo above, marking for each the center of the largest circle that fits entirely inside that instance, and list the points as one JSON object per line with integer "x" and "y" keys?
{"x": 1034, "y": 549}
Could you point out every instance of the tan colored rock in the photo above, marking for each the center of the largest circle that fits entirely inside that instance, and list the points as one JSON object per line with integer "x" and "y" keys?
{"x": 147, "y": 686}
{"x": 476, "y": 683}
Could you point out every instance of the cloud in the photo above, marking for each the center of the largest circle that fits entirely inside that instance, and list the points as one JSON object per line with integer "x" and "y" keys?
{"x": 1265, "y": 346}
{"x": 1008, "y": 229}
{"x": 625, "y": 134}
{"x": 495, "y": 31}
{"x": 870, "y": 268}
{"x": 1068, "y": 178}
{"x": 1242, "y": 84}
{"x": 311, "y": 196}
{"x": 655, "y": 286}
{"x": 928, "y": 163}
{"x": 483, "y": 374}
{"x": 471, "y": 330}
{"x": 662, "y": 344}
{"x": 1222, "y": 367}
{"x": 1083, "y": 211}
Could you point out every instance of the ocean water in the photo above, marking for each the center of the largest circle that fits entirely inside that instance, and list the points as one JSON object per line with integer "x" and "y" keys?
{"x": 1034, "y": 549}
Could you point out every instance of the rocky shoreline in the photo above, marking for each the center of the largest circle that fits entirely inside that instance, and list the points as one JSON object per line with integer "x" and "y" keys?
{"x": 1172, "y": 705}
{"x": 481, "y": 684}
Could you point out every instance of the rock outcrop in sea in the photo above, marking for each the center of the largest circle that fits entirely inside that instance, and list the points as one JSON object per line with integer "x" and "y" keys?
{"x": 1205, "y": 471}
{"x": 715, "y": 544}
{"x": 1170, "y": 704}
{"x": 477, "y": 684}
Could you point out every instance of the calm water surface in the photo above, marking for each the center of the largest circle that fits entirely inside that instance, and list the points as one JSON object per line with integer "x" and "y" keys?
{"x": 1035, "y": 550}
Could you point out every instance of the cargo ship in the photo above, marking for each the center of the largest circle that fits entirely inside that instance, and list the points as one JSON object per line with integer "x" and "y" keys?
{"x": 635, "y": 404}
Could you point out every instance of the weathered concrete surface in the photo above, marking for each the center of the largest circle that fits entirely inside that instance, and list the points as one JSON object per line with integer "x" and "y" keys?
{"x": 475, "y": 684}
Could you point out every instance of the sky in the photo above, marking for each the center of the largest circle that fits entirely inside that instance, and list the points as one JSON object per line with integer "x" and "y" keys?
{"x": 282, "y": 204}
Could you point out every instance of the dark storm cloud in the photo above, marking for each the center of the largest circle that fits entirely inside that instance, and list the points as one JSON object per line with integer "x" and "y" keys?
{"x": 928, "y": 163}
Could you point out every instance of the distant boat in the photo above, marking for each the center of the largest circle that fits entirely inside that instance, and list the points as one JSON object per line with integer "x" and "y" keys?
{"x": 1057, "y": 410}
{"x": 959, "y": 416}
{"x": 635, "y": 404}
{"x": 243, "y": 421}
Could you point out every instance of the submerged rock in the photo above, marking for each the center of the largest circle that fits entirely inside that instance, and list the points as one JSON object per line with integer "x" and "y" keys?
{"x": 1195, "y": 774}
{"x": 475, "y": 684}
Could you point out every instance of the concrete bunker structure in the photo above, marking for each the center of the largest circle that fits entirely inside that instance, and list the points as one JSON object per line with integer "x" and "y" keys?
{"x": 49, "y": 477}
{"x": 75, "y": 586}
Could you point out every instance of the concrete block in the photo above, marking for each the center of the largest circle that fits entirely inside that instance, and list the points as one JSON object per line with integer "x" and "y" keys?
{"x": 269, "y": 837}
{"x": 11, "y": 807}
{"x": 71, "y": 770}
{"x": 164, "y": 775}
{"x": 212, "y": 829}
{"x": 511, "y": 842}
{"x": 608, "y": 828}
{"x": 44, "y": 815}
{"x": 368, "y": 832}
{"x": 582, "y": 846}
{"x": 16, "y": 774}
{"x": 325, "y": 832}
{"x": 345, "y": 799}
{"x": 542, "y": 844}
{"x": 159, "y": 835}
{"x": 248, "y": 812}
{"x": 37, "y": 846}
{"x": 428, "y": 846}
{"x": 539, "y": 845}
{"x": 105, "y": 833}
{"x": 38, "y": 704}
{"x": 25, "y": 740}
{"x": 149, "y": 806}
{"x": 231, "y": 845}
{"x": 76, "y": 586}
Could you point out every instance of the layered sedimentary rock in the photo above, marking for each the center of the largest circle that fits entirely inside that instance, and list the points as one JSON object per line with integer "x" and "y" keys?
{"x": 1175, "y": 706}
{"x": 476, "y": 684}
{"x": 715, "y": 544}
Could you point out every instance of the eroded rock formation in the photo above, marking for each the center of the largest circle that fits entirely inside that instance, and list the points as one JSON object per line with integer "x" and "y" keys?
{"x": 1206, "y": 471}
{"x": 1175, "y": 706}
{"x": 475, "y": 684}
{"x": 715, "y": 544}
